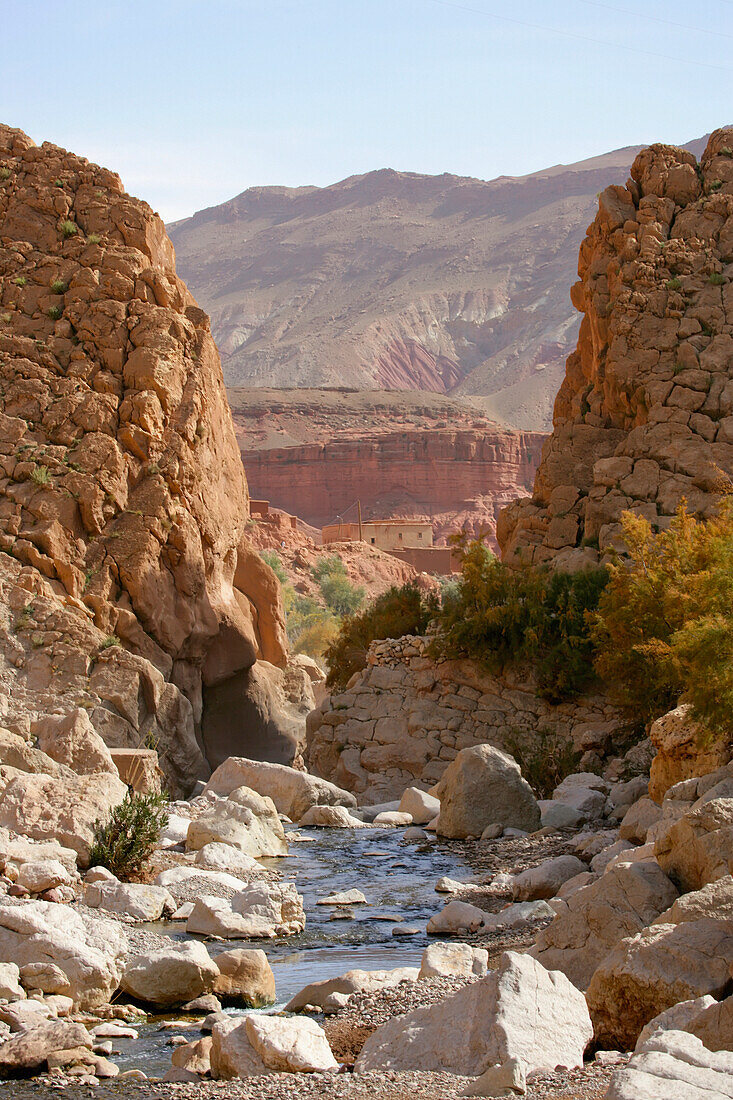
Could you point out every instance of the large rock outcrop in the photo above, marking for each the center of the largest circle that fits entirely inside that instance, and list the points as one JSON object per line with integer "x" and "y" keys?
{"x": 644, "y": 417}
{"x": 125, "y": 581}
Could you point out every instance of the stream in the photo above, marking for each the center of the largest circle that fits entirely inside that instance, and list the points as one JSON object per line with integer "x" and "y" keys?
{"x": 398, "y": 880}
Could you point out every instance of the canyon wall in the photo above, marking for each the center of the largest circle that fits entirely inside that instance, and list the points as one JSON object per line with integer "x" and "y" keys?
{"x": 644, "y": 417}
{"x": 128, "y": 589}
{"x": 403, "y": 718}
{"x": 455, "y": 478}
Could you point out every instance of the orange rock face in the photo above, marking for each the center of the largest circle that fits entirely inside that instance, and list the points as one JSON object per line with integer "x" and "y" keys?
{"x": 122, "y": 493}
{"x": 644, "y": 417}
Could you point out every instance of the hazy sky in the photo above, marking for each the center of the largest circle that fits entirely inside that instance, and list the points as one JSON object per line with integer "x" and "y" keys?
{"x": 192, "y": 101}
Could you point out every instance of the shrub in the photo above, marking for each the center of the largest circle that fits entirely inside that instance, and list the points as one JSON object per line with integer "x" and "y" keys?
{"x": 716, "y": 185}
{"x": 674, "y": 284}
{"x": 109, "y": 641}
{"x": 69, "y": 228}
{"x": 20, "y": 280}
{"x": 58, "y": 286}
{"x": 664, "y": 628}
{"x": 273, "y": 559}
{"x": 315, "y": 638}
{"x": 55, "y": 313}
{"x": 545, "y": 757}
{"x": 503, "y": 615}
{"x": 716, "y": 279}
{"x": 41, "y": 475}
{"x": 339, "y": 594}
{"x": 398, "y": 611}
{"x": 93, "y": 238}
{"x": 125, "y": 842}
{"x": 5, "y": 172}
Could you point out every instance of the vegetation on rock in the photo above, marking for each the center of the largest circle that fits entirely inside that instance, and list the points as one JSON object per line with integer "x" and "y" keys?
{"x": 545, "y": 757}
{"x": 124, "y": 843}
{"x": 398, "y": 611}
{"x": 664, "y": 627}
{"x": 501, "y": 615}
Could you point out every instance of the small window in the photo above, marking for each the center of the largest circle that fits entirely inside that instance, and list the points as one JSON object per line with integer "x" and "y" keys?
{"x": 400, "y": 536}
{"x": 419, "y": 534}
{"x": 373, "y": 541}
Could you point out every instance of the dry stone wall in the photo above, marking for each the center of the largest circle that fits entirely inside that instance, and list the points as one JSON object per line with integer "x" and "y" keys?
{"x": 404, "y": 717}
{"x": 644, "y": 417}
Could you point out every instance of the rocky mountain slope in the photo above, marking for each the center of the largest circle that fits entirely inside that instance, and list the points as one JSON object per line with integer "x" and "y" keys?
{"x": 644, "y": 417}
{"x": 394, "y": 280}
{"x": 128, "y": 589}
{"x": 413, "y": 455}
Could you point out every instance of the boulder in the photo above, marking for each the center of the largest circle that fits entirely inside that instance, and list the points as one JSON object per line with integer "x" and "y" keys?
{"x": 458, "y": 917}
{"x": 260, "y": 909}
{"x": 393, "y": 817}
{"x": 29, "y": 1051}
{"x": 245, "y": 978}
{"x": 44, "y": 874}
{"x": 80, "y": 959}
{"x": 194, "y": 1057}
{"x": 170, "y": 975}
{"x": 638, "y": 819}
{"x": 607, "y": 855}
{"x": 654, "y": 970}
{"x": 71, "y": 739}
{"x": 714, "y": 900}
{"x": 698, "y": 848}
{"x": 269, "y": 1044}
{"x": 581, "y": 781}
{"x": 517, "y": 916}
{"x": 19, "y": 850}
{"x": 673, "y": 1065}
{"x": 10, "y": 987}
{"x": 557, "y": 815}
{"x": 520, "y": 1010}
{"x": 504, "y": 1079}
{"x": 176, "y": 877}
{"x": 292, "y": 791}
{"x": 330, "y": 817}
{"x": 174, "y": 832}
{"x": 676, "y": 1018}
{"x": 421, "y": 806}
{"x": 544, "y": 880}
{"x": 453, "y": 960}
{"x": 683, "y": 749}
{"x": 135, "y": 900}
{"x": 588, "y": 802}
{"x": 623, "y": 795}
{"x": 593, "y": 920}
{"x": 245, "y": 820}
{"x": 223, "y": 857}
{"x": 17, "y": 753}
{"x": 346, "y": 897}
{"x": 484, "y": 786}
{"x": 714, "y": 1025}
{"x": 332, "y": 993}
{"x": 41, "y": 807}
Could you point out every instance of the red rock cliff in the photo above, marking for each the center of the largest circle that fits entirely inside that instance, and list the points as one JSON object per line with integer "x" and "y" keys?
{"x": 454, "y": 477}
{"x": 644, "y": 417}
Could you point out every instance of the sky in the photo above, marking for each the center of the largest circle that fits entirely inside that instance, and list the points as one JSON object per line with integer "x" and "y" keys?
{"x": 193, "y": 101}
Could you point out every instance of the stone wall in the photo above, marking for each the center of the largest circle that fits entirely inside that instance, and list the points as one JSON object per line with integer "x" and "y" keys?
{"x": 405, "y": 717}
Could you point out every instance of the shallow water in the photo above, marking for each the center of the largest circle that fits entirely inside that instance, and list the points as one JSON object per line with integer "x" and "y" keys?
{"x": 398, "y": 880}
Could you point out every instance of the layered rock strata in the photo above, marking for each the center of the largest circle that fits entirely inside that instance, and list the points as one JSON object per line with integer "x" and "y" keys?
{"x": 644, "y": 417}
{"x": 127, "y": 586}
{"x": 404, "y": 718}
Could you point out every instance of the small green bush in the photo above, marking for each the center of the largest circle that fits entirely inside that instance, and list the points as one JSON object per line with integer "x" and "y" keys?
{"x": 5, "y": 172}
{"x": 674, "y": 284}
{"x": 124, "y": 843}
{"x": 109, "y": 641}
{"x": 20, "y": 280}
{"x": 6, "y": 318}
{"x": 339, "y": 595}
{"x": 69, "y": 228}
{"x": 716, "y": 185}
{"x": 273, "y": 559}
{"x": 545, "y": 757}
{"x": 41, "y": 475}
{"x": 58, "y": 286}
{"x": 398, "y": 611}
{"x": 505, "y": 615}
{"x": 716, "y": 279}
{"x": 93, "y": 238}
{"x": 55, "y": 313}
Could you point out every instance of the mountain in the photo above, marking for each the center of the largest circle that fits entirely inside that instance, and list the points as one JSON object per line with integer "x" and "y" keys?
{"x": 393, "y": 280}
